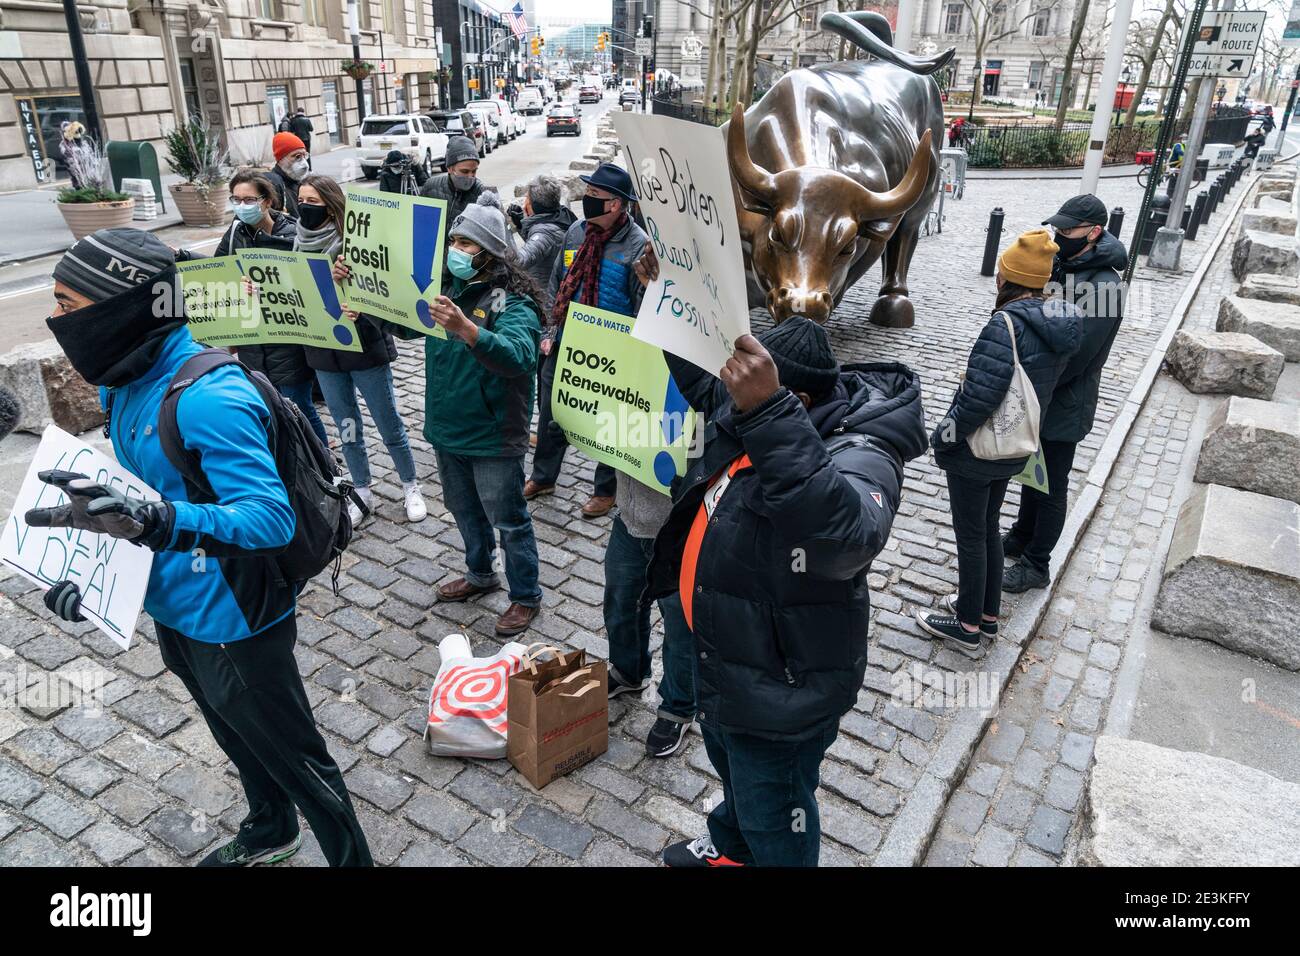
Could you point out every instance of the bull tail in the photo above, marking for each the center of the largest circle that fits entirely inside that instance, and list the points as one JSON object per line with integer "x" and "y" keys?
{"x": 871, "y": 32}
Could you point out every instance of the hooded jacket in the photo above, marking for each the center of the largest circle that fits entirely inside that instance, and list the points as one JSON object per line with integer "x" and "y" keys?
{"x": 1092, "y": 280}
{"x": 780, "y": 602}
{"x": 1047, "y": 335}
{"x": 543, "y": 235}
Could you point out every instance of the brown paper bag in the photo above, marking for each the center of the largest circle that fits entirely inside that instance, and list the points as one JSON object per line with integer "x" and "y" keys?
{"x": 558, "y": 714}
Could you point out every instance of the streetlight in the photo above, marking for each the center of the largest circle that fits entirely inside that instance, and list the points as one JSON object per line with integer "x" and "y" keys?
{"x": 1222, "y": 92}
{"x": 975, "y": 81}
{"x": 1119, "y": 99}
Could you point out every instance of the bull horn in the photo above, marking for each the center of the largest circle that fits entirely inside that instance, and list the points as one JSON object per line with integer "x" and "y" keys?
{"x": 754, "y": 181}
{"x": 896, "y": 201}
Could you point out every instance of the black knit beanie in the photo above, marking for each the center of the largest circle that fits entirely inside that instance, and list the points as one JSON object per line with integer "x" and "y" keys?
{"x": 805, "y": 361}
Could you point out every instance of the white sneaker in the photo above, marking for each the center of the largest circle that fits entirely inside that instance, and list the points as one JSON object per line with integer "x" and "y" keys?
{"x": 356, "y": 512}
{"x": 416, "y": 509}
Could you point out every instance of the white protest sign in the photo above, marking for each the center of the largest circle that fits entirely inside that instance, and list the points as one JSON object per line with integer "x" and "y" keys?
{"x": 697, "y": 308}
{"x": 112, "y": 574}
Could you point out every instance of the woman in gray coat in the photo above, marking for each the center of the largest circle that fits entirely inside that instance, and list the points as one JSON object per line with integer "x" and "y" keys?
{"x": 541, "y": 222}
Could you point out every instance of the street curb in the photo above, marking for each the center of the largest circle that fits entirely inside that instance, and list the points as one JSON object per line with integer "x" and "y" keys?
{"x": 912, "y": 830}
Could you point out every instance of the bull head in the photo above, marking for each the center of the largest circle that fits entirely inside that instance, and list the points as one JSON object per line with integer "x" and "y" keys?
{"x": 819, "y": 223}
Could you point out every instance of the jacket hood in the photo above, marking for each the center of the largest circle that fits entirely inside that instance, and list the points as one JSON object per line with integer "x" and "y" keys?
{"x": 1108, "y": 253}
{"x": 1057, "y": 322}
{"x": 562, "y": 218}
{"x": 881, "y": 400}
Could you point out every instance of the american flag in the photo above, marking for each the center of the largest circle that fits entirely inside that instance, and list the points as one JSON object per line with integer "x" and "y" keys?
{"x": 518, "y": 22}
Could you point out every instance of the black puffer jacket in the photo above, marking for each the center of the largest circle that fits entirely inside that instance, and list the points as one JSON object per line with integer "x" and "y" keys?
{"x": 377, "y": 348}
{"x": 780, "y": 604}
{"x": 1047, "y": 335}
{"x": 287, "y": 189}
{"x": 543, "y": 235}
{"x": 1092, "y": 281}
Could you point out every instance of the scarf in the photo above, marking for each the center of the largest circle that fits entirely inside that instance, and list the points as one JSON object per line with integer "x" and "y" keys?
{"x": 582, "y": 281}
{"x": 326, "y": 239}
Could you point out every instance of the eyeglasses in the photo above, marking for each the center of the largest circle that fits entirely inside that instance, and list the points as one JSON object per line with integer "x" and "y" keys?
{"x": 246, "y": 201}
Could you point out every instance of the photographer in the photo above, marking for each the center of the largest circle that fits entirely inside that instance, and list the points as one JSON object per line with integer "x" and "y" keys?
{"x": 395, "y": 172}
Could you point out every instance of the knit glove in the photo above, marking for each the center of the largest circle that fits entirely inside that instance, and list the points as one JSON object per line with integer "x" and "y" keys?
{"x": 93, "y": 507}
{"x": 64, "y": 599}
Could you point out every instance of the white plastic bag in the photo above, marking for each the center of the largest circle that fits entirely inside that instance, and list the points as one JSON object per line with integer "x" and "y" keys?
{"x": 467, "y": 703}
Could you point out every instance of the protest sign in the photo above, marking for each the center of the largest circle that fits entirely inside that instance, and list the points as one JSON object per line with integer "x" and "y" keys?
{"x": 1035, "y": 472}
{"x": 294, "y": 301}
{"x": 615, "y": 399}
{"x": 394, "y": 246}
{"x": 112, "y": 574}
{"x": 698, "y": 307}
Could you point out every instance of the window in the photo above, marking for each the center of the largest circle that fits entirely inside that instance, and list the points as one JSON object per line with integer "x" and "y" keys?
{"x": 363, "y": 14}
{"x": 190, "y": 85}
{"x": 385, "y": 127}
{"x": 314, "y": 11}
{"x": 270, "y": 9}
{"x": 1042, "y": 21}
{"x": 1036, "y": 75}
{"x": 390, "y": 18}
{"x": 953, "y": 15}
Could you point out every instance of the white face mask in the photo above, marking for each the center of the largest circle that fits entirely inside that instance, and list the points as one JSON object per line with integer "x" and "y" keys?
{"x": 297, "y": 169}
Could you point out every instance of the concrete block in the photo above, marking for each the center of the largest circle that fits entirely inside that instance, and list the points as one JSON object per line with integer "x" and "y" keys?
{"x": 1269, "y": 252}
{"x": 1229, "y": 363}
{"x": 1284, "y": 224}
{"x": 1254, "y": 446}
{"x": 584, "y": 165}
{"x": 1233, "y": 574}
{"x": 49, "y": 390}
{"x": 1276, "y": 324}
{"x": 1261, "y": 285}
{"x": 1154, "y": 806}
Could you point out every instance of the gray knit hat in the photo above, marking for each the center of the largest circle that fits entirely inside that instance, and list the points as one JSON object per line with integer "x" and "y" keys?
{"x": 112, "y": 261}
{"x": 805, "y": 361}
{"x": 459, "y": 149}
{"x": 483, "y": 223}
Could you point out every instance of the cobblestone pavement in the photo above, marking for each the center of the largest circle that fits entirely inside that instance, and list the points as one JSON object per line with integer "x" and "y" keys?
{"x": 143, "y": 783}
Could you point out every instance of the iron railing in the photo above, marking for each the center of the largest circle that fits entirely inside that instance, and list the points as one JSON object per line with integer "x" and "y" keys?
{"x": 695, "y": 112}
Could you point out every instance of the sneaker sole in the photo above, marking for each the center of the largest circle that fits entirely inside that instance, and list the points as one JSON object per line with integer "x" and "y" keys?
{"x": 277, "y": 855}
{"x": 626, "y": 689}
{"x": 972, "y": 652}
{"x": 951, "y": 607}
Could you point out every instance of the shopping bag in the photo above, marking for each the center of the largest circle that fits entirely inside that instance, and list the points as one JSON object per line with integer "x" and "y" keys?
{"x": 558, "y": 712}
{"x": 1012, "y": 430}
{"x": 467, "y": 703}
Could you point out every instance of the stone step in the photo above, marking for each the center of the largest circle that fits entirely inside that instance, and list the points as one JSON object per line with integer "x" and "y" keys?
{"x": 1270, "y": 288}
{"x": 1254, "y": 446}
{"x": 1276, "y": 324}
{"x": 1233, "y": 574}
{"x": 1224, "y": 363}
{"x": 1269, "y": 252}
{"x": 1260, "y": 220}
{"x": 1154, "y": 806}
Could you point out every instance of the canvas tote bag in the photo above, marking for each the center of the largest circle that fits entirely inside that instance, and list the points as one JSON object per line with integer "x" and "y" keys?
{"x": 1012, "y": 430}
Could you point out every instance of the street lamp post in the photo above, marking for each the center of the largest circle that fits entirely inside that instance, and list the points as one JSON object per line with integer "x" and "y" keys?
{"x": 974, "y": 88}
{"x": 354, "y": 29}
{"x": 82, "y": 67}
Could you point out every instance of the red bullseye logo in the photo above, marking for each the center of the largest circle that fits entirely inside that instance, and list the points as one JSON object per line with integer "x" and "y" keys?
{"x": 477, "y": 692}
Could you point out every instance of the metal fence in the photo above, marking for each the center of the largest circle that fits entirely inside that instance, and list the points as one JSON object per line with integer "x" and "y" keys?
{"x": 695, "y": 112}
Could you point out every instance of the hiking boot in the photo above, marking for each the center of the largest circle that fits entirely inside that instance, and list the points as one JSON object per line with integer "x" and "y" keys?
{"x": 949, "y": 629}
{"x": 535, "y": 489}
{"x": 598, "y": 506}
{"x": 987, "y": 628}
{"x": 666, "y": 737}
{"x": 617, "y": 686}
{"x": 235, "y": 853}
{"x": 462, "y": 590}
{"x": 697, "y": 852}
{"x": 1021, "y": 577}
{"x": 516, "y": 620}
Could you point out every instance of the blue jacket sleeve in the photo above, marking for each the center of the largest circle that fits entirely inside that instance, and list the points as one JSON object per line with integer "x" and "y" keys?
{"x": 223, "y": 418}
{"x": 988, "y": 376}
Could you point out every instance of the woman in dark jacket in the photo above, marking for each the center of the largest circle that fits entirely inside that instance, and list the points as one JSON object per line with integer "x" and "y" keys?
{"x": 1046, "y": 336}
{"x": 343, "y": 374}
{"x": 541, "y": 221}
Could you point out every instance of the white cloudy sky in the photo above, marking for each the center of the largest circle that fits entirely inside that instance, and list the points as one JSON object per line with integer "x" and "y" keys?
{"x": 590, "y": 10}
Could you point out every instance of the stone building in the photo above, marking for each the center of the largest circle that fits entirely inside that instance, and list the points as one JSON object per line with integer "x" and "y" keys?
{"x": 243, "y": 63}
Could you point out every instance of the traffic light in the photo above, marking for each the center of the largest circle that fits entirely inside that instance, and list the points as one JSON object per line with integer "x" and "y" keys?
{"x": 600, "y": 41}
{"x": 541, "y": 41}
{"x": 647, "y": 26}
{"x": 536, "y": 47}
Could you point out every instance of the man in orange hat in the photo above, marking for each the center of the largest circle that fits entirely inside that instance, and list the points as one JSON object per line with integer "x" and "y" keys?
{"x": 290, "y": 168}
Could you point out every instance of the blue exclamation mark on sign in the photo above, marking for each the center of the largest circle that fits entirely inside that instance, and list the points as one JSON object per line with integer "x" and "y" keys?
{"x": 672, "y": 425}
{"x": 320, "y": 271}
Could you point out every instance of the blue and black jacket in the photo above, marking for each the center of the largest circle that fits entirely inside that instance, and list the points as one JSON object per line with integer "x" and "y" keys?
{"x": 620, "y": 289}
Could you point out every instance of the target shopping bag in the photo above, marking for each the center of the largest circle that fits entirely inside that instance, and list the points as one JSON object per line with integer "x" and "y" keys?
{"x": 467, "y": 705}
{"x": 559, "y": 714}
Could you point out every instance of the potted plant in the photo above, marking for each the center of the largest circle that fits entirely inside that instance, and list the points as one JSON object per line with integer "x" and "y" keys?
{"x": 195, "y": 154}
{"x": 358, "y": 69}
{"x": 92, "y": 203}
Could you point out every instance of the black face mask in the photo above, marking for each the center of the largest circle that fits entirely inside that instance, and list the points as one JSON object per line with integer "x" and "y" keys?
{"x": 593, "y": 207}
{"x": 1071, "y": 247}
{"x": 313, "y": 217}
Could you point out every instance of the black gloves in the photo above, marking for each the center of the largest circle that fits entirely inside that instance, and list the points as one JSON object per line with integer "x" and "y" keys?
{"x": 64, "y": 599}
{"x": 93, "y": 507}
{"x": 516, "y": 214}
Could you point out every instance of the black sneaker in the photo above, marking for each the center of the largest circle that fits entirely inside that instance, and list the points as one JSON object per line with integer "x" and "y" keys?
{"x": 1012, "y": 547}
{"x": 697, "y": 852}
{"x": 617, "y": 686}
{"x": 1021, "y": 577}
{"x": 666, "y": 737}
{"x": 235, "y": 853}
{"x": 987, "y": 628}
{"x": 953, "y": 634}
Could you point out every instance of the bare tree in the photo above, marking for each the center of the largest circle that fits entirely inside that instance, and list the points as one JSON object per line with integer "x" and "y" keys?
{"x": 987, "y": 21}
{"x": 1149, "y": 46}
{"x": 1067, "y": 71}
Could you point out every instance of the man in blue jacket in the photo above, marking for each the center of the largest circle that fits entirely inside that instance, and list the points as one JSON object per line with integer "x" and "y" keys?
{"x": 223, "y": 613}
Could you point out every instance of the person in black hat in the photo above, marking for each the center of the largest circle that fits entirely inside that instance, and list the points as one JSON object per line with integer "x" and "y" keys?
{"x": 1087, "y": 272}
{"x": 595, "y": 267}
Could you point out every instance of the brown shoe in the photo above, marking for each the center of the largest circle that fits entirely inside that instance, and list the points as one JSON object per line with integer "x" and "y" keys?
{"x": 516, "y": 619}
{"x": 534, "y": 489}
{"x": 598, "y": 506}
{"x": 461, "y": 590}
{"x": 532, "y": 439}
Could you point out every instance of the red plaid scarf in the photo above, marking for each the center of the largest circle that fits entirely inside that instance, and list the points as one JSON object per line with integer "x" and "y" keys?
{"x": 582, "y": 281}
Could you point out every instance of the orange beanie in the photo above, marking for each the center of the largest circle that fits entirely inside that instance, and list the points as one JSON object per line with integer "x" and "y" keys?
{"x": 285, "y": 143}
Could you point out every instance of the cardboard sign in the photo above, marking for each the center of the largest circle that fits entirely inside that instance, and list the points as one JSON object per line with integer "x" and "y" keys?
{"x": 294, "y": 301}
{"x": 617, "y": 402}
{"x": 1035, "y": 473}
{"x": 394, "y": 247}
{"x": 113, "y": 574}
{"x": 698, "y": 307}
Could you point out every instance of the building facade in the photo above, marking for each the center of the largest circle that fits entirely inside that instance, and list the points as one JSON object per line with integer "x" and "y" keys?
{"x": 483, "y": 54}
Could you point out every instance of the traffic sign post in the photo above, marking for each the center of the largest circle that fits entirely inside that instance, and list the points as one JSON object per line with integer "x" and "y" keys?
{"x": 1226, "y": 43}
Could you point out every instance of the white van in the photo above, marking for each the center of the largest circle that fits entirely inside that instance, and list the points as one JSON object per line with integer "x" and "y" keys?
{"x": 530, "y": 101}
{"x": 512, "y": 124}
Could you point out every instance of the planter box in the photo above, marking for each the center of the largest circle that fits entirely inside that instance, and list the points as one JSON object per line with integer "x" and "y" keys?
{"x": 201, "y": 207}
{"x": 83, "y": 218}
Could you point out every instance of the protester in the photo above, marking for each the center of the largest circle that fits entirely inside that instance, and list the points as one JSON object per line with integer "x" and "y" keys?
{"x": 478, "y": 401}
{"x": 300, "y": 125}
{"x": 225, "y": 620}
{"x": 290, "y": 167}
{"x": 343, "y": 374}
{"x": 397, "y": 166}
{"x": 459, "y": 187}
{"x": 595, "y": 268}
{"x": 1087, "y": 268}
{"x": 541, "y": 221}
{"x": 1047, "y": 334}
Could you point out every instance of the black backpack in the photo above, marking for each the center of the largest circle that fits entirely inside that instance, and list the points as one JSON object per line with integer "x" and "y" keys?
{"x": 322, "y": 529}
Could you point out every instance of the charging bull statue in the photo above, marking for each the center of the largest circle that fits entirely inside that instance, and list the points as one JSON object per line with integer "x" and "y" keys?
{"x": 835, "y": 165}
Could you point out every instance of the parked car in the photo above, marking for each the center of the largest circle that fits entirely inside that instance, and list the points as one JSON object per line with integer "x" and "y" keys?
{"x": 494, "y": 135}
{"x": 589, "y": 94}
{"x": 512, "y": 124}
{"x": 530, "y": 101}
{"x": 563, "y": 119}
{"x": 415, "y": 135}
{"x": 629, "y": 96}
{"x": 461, "y": 123}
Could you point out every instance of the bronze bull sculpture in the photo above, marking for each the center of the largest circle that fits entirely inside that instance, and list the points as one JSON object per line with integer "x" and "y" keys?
{"x": 835, "y": 165}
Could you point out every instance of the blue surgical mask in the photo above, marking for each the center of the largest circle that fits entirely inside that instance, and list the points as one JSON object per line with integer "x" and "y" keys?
{"x": 461, "y": 264}
{"x": 249, "y": 215}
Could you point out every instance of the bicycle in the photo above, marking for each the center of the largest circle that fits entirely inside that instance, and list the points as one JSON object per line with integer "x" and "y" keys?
{"x": 1167, "y": 175}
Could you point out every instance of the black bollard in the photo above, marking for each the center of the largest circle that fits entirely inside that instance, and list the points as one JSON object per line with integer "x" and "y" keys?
{"x": 991, "y": 241}
{"x": 1198, "y": 216}
{"x": 1221, "y": 184}
{"x": 1116, "y": 222}
{"x": 1216, "y": 190}
{"x": 1202, "y": 170}
{"x": 1187, "y": 215}
{"x": 1159, "y": 216}
{"x": 1205, "y": 213}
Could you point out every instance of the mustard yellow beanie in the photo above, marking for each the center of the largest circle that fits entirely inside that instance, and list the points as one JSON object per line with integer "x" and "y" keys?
{"x": 1028, "y": 260}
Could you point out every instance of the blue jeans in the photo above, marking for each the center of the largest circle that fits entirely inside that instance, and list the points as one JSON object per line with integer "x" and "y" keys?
{"x": 627, "y": 625}
{"x": 768, "y": 814}
{"x": 483, "y": 494}
{"x": 300, "y": 395}
{"x": 376, "y": 387}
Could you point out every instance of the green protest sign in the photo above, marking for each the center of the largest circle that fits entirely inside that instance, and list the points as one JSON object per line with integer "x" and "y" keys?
{"x": 294, "y": 301}
{"x": 615, "y": 399}
{"x": 394, "y": 246}
{"x": 1035, "y": 473}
